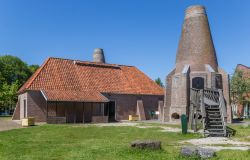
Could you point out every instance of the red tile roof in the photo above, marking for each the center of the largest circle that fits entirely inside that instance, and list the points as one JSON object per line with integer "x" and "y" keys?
{"x": 76, "y": 96}
{"x": 69, "y": 77}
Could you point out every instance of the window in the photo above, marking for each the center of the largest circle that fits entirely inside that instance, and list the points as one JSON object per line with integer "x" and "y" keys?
{"x": 218, "y": 81}
{"x": 198, "y": 83}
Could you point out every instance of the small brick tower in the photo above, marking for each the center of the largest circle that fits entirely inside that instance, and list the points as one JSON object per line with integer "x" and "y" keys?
{"x": 98, "y": 56}
{"x": 196, "y": 66}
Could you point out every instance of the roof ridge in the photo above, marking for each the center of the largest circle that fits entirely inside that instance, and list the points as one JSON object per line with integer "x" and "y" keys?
{"x": 242, "y": 65}
{"x": 82, "y": 61}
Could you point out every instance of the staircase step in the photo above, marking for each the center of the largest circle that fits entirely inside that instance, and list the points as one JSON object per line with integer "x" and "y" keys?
{"x": 212, "y": 118}
{"x": 214, "y": 115}
{"x": 212, "y": 106}
{"x": 214, "y": 122}
{"x": 213, "y": 133}
{"x": 215, "y": 125}
{"x": 213, "y": 110}
{"x": 216, "y": 130}
{"x": 215, "y": 118}
{"x": 208, "y": 128}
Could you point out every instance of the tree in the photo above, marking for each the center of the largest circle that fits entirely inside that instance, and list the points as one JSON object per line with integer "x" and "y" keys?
{"x": 13, "y": 74}
{"x": 13, "y": 69}
{"x": 239, "y": 88}
{"x": 33, "y": 68}
{"x": 8, "y": 94}
{"x": 159, "y": 82}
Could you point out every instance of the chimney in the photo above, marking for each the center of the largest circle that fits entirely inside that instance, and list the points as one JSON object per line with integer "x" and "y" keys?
{"x": 98, "y": 56}
{"x": 196, "y": 46}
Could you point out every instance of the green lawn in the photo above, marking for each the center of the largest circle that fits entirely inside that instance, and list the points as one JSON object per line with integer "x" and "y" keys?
{"x": 66, "y": 142}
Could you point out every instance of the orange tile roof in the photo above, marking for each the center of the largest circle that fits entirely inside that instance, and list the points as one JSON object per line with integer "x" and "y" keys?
{"x": 62, "y": 76}
{"x": 76, "y": 96}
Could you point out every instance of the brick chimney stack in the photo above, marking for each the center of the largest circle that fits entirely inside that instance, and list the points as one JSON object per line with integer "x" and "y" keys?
{"x": 196, "y": 46}
{"x": 98, "y": 56}
{"x": 196, "y": 66}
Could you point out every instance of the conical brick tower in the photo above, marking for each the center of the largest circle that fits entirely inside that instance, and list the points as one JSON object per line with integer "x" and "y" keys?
{"x": 196, "y": 66}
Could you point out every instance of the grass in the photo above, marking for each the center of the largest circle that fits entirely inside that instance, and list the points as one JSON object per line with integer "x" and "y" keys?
{"x": 247, "y": 120}
{"x": 66, "y": 142}
{"x": 242, "y": 132}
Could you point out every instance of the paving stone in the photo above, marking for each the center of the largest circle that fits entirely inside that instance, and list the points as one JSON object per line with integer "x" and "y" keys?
{"x": 206, "y": 152}
{"x": 189, "y": 151}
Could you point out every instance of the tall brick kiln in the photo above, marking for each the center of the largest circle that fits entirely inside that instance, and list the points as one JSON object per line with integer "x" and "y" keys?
{"x": 196, "y": 67}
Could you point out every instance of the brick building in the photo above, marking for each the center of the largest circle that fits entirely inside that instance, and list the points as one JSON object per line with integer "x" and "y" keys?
{"x": 196, "y": 66}
{"x": 73, "y": 91}
{"x": 243, "y": 109}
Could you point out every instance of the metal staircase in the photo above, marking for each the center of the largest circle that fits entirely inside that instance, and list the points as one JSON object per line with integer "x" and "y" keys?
{"x": 209, "y": 104}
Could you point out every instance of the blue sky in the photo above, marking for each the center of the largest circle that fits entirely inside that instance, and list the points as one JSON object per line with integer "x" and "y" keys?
{"x": 143, "y": 33}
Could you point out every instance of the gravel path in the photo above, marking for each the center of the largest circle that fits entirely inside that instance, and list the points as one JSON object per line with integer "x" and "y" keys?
{"x": 215, "y": 142}
{"x": 9, "y": 124}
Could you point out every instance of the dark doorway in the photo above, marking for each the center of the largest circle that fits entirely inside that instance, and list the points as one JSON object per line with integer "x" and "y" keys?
{"x": 109, "y": 110}
{"x": 79, "y": 112}
{"x": 70, "y": 112}
{"x": 198, "y": 83}
{"x": 87, "y": 112}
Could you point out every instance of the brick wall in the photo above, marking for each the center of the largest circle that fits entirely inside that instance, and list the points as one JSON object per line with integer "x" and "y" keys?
{"x": 16, "y": 114}
{"x": 126, "y": 104}
{"x": 36, "y": 106}
{"x": 225, "y": 83}
{"x": 167, "y": 97}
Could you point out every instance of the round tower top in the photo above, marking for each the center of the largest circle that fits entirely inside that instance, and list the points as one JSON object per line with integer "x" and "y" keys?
{"x": 98, "y": 55}
{"x": 195, "y": 10}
